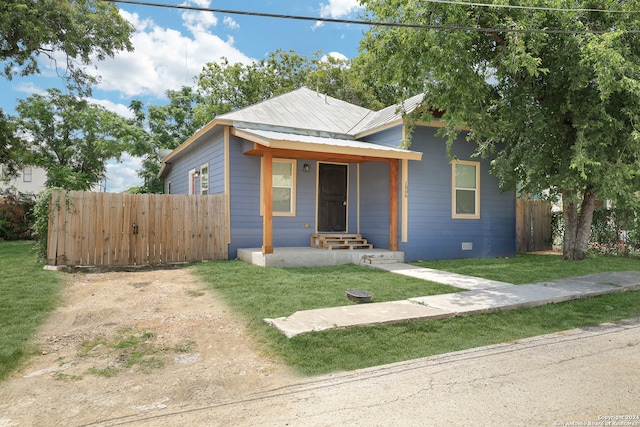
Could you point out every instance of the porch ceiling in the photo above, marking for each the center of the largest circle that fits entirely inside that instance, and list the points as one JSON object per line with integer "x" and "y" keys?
{"x": 287, "y": 145}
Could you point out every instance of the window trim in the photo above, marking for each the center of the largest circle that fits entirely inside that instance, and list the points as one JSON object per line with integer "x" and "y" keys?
{"x": 294, "y": 172}
{"x": 27, "y": 177}
{"x": 208, "y": 181}
{"x": 192, "y": 182}
{"x": 454, "y": 188}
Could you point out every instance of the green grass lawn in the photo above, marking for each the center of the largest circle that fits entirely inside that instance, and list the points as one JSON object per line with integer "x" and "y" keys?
{"x": 258, "y": 293}
{"x": 27, "y": 294}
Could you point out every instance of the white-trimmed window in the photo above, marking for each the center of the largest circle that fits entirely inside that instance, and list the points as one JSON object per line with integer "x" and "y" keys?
{"x": 27, "y": 174}
{"x": 204, "y": 179}
{"x": 466, "y": 189}
{"x": 283, "y": 177}
{"x": 193, "y": 176}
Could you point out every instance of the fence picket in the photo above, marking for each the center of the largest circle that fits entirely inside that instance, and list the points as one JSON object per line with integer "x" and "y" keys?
{"x": 97, "y": 229}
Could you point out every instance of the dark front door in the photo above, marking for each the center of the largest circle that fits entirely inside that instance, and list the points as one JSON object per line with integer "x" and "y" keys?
{"x": 332, "y": 198}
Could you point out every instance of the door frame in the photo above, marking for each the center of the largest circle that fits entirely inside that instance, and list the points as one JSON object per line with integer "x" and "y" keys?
{"x": 347, "y": 195}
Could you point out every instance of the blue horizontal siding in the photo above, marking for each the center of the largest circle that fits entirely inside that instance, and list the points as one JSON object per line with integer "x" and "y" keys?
{"x": 288, "y": 231}
{"x": 432, "y": 232}
{"x": 208, "y": 150}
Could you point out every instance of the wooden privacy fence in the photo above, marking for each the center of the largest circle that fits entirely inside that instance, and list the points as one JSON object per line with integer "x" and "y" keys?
{"x": 533, "y": 225}
{"x": 107, "y": 229}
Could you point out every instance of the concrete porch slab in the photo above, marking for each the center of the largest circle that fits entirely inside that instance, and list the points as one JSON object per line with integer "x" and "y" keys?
{"x": 314, "y": 257}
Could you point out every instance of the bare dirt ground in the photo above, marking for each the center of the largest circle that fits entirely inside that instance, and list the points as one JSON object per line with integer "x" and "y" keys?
{"x": 127, "y": 343}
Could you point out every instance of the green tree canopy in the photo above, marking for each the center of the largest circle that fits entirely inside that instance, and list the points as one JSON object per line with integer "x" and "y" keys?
{"x": 224, "y": 87}
{"x": 167, "y": 126}
{"x": 71, "y": 138}
{"x": 557, "y": 108}
{"x": 74, "y": 31}
{"x": 81, "y": 30}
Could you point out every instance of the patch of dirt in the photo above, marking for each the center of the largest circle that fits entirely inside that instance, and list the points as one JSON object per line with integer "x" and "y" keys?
{"x": 126, "y": 343}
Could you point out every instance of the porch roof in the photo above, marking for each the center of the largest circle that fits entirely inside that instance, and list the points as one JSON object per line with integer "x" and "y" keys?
{"x": 310, "y": 146}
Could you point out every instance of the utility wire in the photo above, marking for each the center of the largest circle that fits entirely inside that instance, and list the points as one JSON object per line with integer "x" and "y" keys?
{"x": 375, "y": 23}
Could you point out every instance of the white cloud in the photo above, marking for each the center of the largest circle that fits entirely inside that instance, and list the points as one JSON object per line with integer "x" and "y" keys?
{"x": 198, "y": 21}
{"x": 335, "y": 55}
{"x": 30, "y": 88}
{"x": 164, "y": 58}
{"x": 122, "y": 175}
{"x": 339, "y": 8}
{"x": 120, "y": 109}
{"x": 231, "y": 23}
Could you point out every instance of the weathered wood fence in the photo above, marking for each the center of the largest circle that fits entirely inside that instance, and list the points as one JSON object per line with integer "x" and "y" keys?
{"x": 533, "y": 225}
{"x": 107, "y": 229}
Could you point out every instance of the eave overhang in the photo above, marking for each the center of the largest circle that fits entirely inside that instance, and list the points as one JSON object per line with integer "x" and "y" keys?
{"x": 286, "y": 145}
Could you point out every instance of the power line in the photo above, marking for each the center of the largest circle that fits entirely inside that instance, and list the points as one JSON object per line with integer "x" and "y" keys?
{"x": 378, "y": 23}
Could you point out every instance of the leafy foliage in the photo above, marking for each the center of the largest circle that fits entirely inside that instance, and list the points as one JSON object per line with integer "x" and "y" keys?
{"x": 71, "y": 138}
{"x": 10, "y": 155}
{"x": 16, "y": 215}
{"x": 554, "y": 111}
{"x": 82, "y": 30}
{"x": 225, "y": 87}
{"x": 167, "y": 126}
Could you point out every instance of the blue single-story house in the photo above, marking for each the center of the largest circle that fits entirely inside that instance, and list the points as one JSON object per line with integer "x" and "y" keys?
{"x": 304, "y": 169}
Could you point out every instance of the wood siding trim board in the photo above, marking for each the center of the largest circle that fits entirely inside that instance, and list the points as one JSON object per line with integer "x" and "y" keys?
{"x": 227, "y": 187}
{"x": 267, "y": 219}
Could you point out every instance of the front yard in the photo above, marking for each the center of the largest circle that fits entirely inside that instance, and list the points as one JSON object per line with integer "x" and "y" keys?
{"x": 28, "y": 293}
{"x": 258, "y": 293}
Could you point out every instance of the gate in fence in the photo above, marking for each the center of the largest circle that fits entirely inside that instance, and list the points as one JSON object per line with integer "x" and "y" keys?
{"x": 107, "y": 229}
{"x": 533, "y": 225}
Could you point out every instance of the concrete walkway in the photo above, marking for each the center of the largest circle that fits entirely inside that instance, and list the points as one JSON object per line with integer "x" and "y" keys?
{"x": 482, "y": 296}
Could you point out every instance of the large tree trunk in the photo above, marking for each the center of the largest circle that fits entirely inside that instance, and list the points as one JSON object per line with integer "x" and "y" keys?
{"x": 577, "y": 225}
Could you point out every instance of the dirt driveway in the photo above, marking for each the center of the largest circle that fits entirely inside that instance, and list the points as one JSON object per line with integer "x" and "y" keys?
{"x": 125, "y": 343}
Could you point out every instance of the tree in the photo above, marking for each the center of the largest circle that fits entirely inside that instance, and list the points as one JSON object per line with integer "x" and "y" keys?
{"x": 555, "y": 111}
{"x": 167, "y": 126}
{"x": 72, "y": 139}
{"x": 81, "y": 30}
{"x": 9, "y": 157}
{"x": 224, "y": 87}
{"x": 78, "y": 31}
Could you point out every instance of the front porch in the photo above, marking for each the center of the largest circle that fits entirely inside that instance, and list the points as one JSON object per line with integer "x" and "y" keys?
{"x": 316, "y": 257}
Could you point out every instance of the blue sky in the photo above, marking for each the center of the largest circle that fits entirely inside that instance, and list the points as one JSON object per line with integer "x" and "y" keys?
{"x": 171, "y": 47}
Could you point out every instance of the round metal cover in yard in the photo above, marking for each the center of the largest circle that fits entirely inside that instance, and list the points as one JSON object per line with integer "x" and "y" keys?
{"x": 359, "y": 296}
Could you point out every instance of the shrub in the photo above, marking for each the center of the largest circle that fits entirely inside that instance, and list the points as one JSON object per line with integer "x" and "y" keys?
{"x": 16, "y": 215}
{"x": 614, "y": 231}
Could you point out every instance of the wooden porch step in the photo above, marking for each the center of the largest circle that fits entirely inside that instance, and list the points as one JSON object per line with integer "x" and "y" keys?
{"x": 339, "y": 241}
{"x": 360, "y": 246}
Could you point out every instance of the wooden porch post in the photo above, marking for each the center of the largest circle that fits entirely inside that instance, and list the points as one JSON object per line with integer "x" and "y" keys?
{"x": 267, "y": 200}
{"x": 393, "y": 205}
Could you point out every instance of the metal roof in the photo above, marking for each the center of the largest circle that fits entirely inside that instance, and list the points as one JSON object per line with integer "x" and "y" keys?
{"x": 302, "y": 109}
{"x": 388, "y": 115}
{"x": 291, "y": 141}
{"x": 312, "y": 119}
